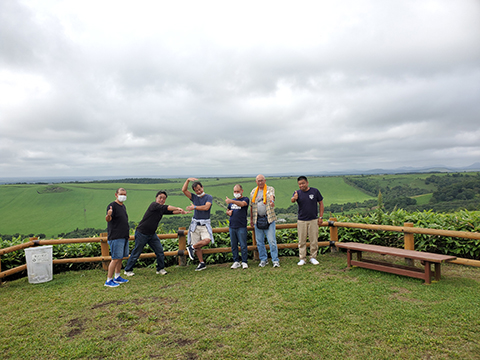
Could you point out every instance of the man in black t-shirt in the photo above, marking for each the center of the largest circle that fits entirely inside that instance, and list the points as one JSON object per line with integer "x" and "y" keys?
{"x": 310, "y": 206}
{"x": 237, "y": 210}
{"x": 118, "y": 234}
{"x": 146, "y": 232}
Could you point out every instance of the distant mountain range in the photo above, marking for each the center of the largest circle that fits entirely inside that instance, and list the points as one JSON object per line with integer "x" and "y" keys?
{"x": 400, "y": 170}
{"x": 404, "y": 170}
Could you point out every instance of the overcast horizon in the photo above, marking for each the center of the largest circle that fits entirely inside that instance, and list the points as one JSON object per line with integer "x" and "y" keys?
{"x": 213, "y": 88}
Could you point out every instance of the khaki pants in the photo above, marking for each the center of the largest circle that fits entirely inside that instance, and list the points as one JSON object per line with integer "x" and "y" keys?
{"x": 309, "y": 228}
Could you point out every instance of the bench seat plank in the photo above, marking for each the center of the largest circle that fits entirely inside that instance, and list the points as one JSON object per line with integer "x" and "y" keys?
{"x": 384, "y": 250}
{"x": 426, "y": 258}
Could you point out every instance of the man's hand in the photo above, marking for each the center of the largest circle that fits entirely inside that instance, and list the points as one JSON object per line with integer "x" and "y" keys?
{"x": 272, "y": 201}
{"x": 110, "y": 211}
{"x": 190, "y": 207}
{"x": 295, "y": 196}
{"x": 228, "y": 200}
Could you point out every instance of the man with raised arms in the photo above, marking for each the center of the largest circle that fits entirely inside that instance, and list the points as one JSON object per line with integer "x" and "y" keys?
{"x": 200, "y": 231}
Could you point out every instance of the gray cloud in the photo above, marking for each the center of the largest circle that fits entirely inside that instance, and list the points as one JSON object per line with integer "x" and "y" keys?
{"x": 116, "y": 88}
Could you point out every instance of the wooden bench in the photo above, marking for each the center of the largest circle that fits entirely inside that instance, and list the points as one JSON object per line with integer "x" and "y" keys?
{"x": 426, "y": 259}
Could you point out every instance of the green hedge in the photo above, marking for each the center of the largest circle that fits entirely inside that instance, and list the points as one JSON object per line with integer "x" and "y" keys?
{"x": 460, "y": 221}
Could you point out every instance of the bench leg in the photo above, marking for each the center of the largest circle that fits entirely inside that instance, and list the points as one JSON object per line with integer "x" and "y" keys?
{"x": 349, "y": 259}
{"x": 428, "y": 272}
{"x": 437, "y": 271}
{"x": 359, "y": 255}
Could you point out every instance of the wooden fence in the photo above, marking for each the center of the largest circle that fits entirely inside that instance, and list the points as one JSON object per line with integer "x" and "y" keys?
{"x": 407, "y": 229}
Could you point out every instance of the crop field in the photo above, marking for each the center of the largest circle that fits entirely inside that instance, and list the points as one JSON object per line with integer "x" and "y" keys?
{"x": 55, "y": 208}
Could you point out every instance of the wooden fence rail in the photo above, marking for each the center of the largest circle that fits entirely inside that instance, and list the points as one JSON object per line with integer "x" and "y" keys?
{"x": 408, "y": 230}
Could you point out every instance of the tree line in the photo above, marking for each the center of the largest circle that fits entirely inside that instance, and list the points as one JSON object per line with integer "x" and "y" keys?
{"x": 453, "y": 192}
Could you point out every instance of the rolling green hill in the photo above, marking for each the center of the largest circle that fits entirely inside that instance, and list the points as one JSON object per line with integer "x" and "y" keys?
{"x": 56, "y": 208}
{"x": 52, "y": 209}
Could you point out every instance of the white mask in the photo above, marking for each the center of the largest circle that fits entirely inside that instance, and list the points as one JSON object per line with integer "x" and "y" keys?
{"x": 203, "y": 193}
{"x": 122, "y": 198}
{"x": 237, "y": 195}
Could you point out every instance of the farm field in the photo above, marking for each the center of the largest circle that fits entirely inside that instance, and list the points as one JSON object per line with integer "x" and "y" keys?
{"x": 55, "y": 208}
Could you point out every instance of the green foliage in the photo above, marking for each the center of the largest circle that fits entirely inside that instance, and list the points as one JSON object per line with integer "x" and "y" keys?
{"x": 416, "y": 192}
{"x": 459, "y": 187}
{"x": 12, "y": 259}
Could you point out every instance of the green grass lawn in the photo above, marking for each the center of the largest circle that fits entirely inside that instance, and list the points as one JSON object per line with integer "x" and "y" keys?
{"x": 292, "y": 312}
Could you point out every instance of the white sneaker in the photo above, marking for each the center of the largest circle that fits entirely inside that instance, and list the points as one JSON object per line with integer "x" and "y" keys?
{"x": 129, "y": 273}
{"x": 162, "y": 272}
{"x": 276, "y": 264}
{"x": 314, "y": 261}
{"x": 235, "y": 265}
{"x": 301, "y": 262}
{"x": 244, "y": 265}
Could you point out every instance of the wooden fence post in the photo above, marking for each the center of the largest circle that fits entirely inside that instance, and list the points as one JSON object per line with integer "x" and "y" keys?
{"x": 182, "y": 246}
{"x": 409, "y": 243}
{"x": 333, "y": 235}
{"x": 105, "y": 250}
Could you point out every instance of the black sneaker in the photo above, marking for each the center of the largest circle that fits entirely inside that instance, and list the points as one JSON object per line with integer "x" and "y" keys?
{"x": 201, "y": 267}
{"x": 191, "y": 252}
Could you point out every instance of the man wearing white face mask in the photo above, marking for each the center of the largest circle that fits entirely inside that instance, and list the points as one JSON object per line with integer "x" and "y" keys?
{"x": 118, "y": 234}
{"x": 200, "y": 230}
{"x": 237, "y": 210}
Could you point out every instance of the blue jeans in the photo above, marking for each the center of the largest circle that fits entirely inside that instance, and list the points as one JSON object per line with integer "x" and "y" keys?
{"x": 239, "y": 235}
{"x": 272, "y": 241}
{"x": 140, "y": 241}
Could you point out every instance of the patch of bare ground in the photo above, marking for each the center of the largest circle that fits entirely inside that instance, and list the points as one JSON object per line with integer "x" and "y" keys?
{"x": 75, "y": 327}
{"x": 400, "y": 295}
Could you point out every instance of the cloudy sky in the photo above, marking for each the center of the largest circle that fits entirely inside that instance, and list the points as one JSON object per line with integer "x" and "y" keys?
{"x": 167, "y": 88}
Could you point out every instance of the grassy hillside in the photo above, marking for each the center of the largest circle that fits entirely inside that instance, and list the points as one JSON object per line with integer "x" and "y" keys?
{"x": 53, "y": 209}
{"x": 59, "y": 208}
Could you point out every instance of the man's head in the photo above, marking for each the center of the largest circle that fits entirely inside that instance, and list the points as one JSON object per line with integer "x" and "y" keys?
{"x": 237, "y": 191}
{"x": 260, "y": 180}
{"x": 121, "y": 195}
{"x": 161, "y": 197}
{"x": 198, "y": 188}
{"x": 303, "y": 183}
